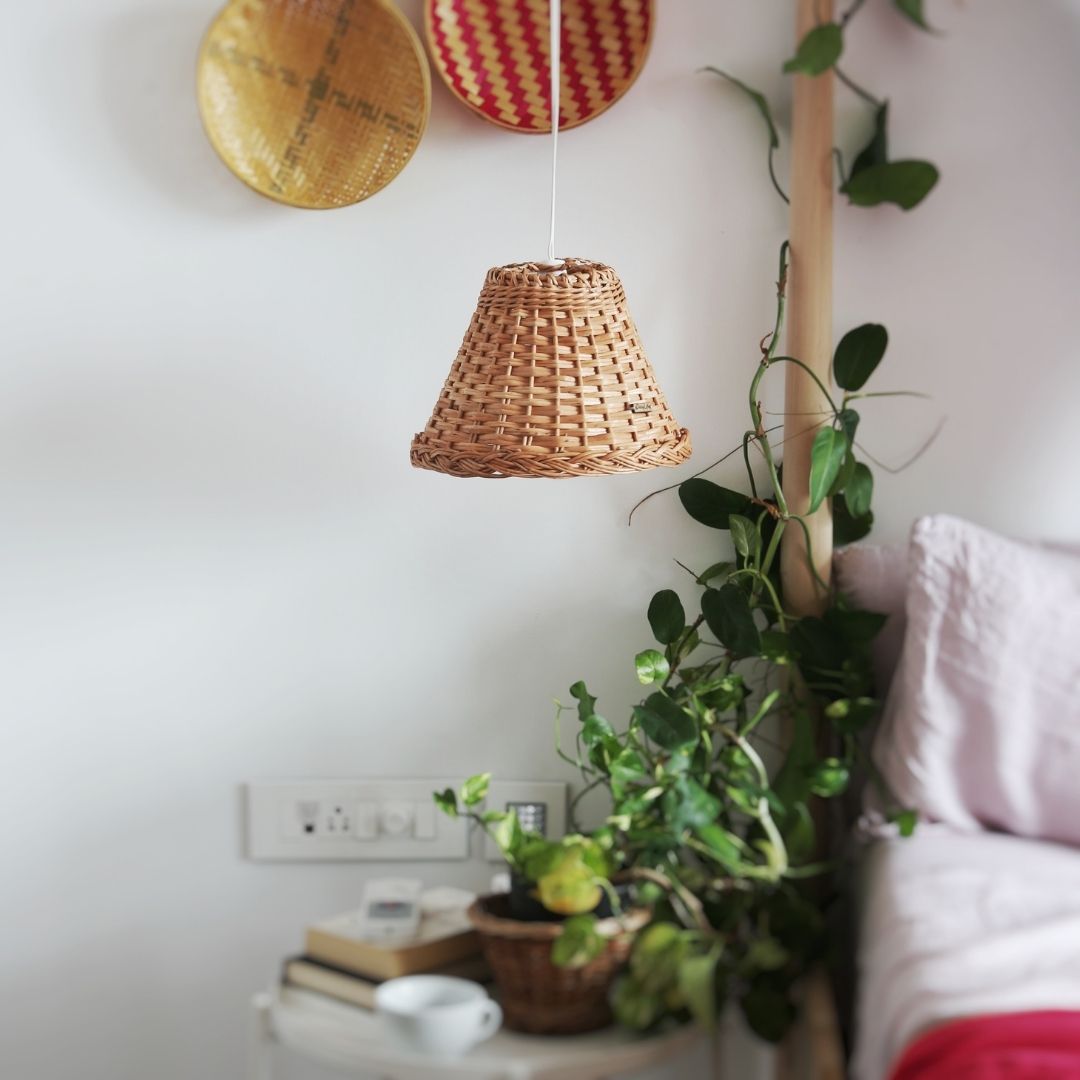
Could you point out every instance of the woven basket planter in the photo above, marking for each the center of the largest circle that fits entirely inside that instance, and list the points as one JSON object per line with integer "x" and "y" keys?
{"x": 535, "y": 995}
{"x": 551, "y": 380}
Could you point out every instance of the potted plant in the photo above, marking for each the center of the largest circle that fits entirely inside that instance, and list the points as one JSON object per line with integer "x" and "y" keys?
{"x": 556, "y": 940}
{"x": 717, "y": 843}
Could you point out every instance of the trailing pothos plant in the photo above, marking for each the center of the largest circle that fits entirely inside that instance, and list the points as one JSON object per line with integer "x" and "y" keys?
{"x": 710, "y": 815}
{"x": 874, "y": 177}
{"x": 717, "y": 843}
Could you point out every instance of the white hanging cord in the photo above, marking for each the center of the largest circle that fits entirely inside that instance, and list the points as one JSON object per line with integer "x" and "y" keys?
{"x": 556, "y": 80}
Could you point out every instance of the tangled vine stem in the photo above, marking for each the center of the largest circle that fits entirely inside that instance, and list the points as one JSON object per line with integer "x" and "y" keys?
{"x": 689, "y": 901}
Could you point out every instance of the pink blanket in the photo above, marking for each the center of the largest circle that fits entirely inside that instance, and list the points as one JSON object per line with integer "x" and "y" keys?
{"x": 1010, "y": 1046}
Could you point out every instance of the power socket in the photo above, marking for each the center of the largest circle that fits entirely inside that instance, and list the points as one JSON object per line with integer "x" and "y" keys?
{"x": 336, "y": 819}
{"x": 351, "y": 820}
{"x": 304, "y": 817}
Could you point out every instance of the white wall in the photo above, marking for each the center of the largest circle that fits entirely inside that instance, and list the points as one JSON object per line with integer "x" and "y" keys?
{"x": 215, "y": 560}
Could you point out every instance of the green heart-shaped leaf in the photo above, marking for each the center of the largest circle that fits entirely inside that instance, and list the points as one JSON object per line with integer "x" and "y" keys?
{"x": 666, "y": 616}
{"x": 913, "y": 9}
{"x": 905, "y": 820}
{"x": 905, "y": 183}
{"x": 596, "y": 731}
{"x": 475, "y": 789}
{"x": 858, "y": 354}
{"x": 627, "y": 767}
{"x": 876, "y": 151}
{"x": 768, "y": 1010}
{"x": 710, "y": 503}
{"x": 727, "y": 612}
{"x": 745, "y": 536}
{"x": 829, "y": 778}
{"x": 859, "y": 490}
{"x": 818, "y": 50}
{"x": 667, "y": 724}
{"x": 446, "y": 801}
{"x": 848, "y": 529}
{"x": 826, "y": 456}
{"x": 586, "y": 702}
{"x": 697, "y": 983}
{"x": 578, "y": 943}
{"x": 722, "y": 845}
{"x": 651, "y": 666}
{"x": 849, "y": 422}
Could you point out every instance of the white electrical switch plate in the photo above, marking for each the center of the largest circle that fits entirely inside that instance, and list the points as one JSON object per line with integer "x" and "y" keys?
{"x": 540, "y": 806}
{"x": 346, "y": 820}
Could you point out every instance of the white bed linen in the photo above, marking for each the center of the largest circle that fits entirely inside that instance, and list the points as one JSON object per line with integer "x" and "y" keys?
{"x": 959, "y": 925}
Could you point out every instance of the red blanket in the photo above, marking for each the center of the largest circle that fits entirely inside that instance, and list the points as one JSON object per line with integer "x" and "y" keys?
{"x": 1012, "y": 1046}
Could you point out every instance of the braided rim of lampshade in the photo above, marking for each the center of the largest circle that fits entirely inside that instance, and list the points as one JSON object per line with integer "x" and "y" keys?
{"x": 551, "y": 381}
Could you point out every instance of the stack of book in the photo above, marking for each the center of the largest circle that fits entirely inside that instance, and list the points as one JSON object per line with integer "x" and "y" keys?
{"x": 339, "y": 963}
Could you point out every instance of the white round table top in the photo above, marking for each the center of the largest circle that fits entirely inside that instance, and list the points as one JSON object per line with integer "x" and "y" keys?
{"x": 350, "y": 1039}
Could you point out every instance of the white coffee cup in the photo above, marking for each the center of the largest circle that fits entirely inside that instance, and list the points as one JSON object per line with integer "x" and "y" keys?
{"x": 435, "y": 1014}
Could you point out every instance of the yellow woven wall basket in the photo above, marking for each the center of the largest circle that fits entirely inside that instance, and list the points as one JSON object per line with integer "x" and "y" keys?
{"x": 314, "y": 103}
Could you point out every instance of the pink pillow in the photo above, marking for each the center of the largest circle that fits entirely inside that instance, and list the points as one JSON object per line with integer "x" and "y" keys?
{"x": 982, "y": 727}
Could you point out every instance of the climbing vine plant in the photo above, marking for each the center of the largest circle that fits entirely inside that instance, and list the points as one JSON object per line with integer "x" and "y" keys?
{"x": 715, "y": 842}
{"x": 874, "y": 177}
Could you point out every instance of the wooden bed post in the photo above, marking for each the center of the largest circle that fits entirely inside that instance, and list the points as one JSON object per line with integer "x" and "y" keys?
{"x": 809, "y": 336}
{"x": 813, "y": 1049}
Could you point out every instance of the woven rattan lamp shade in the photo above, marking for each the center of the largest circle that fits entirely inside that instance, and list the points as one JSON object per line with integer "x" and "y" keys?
{"x": 551, "y": 380}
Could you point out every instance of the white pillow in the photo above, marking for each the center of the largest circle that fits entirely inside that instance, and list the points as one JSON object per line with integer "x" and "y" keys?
{"x": 982, "y": 726}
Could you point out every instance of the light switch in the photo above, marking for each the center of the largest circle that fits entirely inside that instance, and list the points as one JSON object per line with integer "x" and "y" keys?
{"x": 397, "y": 818}
{"x": 424, "y": 821}
{"x": 367, "y": 821}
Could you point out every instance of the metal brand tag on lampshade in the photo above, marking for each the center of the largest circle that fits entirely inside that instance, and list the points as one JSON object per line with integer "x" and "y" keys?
{"x": 551, "y": 380}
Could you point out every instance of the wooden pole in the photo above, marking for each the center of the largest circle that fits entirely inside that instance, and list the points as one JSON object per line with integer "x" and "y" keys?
{"x": 813, "y": 1050}
{"x": 809, "y": 336}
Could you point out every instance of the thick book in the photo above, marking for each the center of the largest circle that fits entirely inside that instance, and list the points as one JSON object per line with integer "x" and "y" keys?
{"x": 441, "y": 939}
{"x": 312, "y": 974}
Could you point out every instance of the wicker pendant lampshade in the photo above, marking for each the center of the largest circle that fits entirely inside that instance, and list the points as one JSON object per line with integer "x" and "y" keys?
{"x": 551, "y": 380}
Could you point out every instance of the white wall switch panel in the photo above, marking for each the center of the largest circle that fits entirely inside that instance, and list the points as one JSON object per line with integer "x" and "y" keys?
{"x": 351, "y": 820}
{"x": 540, "y": 806}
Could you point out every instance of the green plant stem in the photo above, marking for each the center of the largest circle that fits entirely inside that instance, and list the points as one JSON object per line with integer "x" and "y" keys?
{"x": 893, "y": 470}
{"x": 771, "y": 550}
{"x": 681, "y": 657}
{"x": 762, "y": 711}
{"x": 585, "y": 770}
{"x": 747, "y": 439}
{"x": 671, "y": 885}
{"x": 839, "y": 156}
{"x": 887, "y": 393}
{"x": 855, "y": 88}
{"x": 772, "y": 176}
{"x": 781, "y": 295}
{"x": 824, "y": 585}
{"x": 758, "y": 576}
{"x": 693, "y": 476}
{"x": 756, "y": 418}
{"x": 572, "y": 809}
{"x": 809, "y": 371}
{"x": 851, "y": 12}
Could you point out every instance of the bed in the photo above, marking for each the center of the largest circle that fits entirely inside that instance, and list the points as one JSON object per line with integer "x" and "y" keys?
{"x": 957, "y": 925}
{"x": 968, "y": 952}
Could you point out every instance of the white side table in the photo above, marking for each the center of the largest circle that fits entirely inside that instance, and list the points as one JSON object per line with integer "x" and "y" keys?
{"x": 349, "y": 1039}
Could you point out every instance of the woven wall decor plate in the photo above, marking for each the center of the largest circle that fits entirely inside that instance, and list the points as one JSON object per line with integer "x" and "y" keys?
{"x": 493, "y": 54}
{"x": 314, "y": 103}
